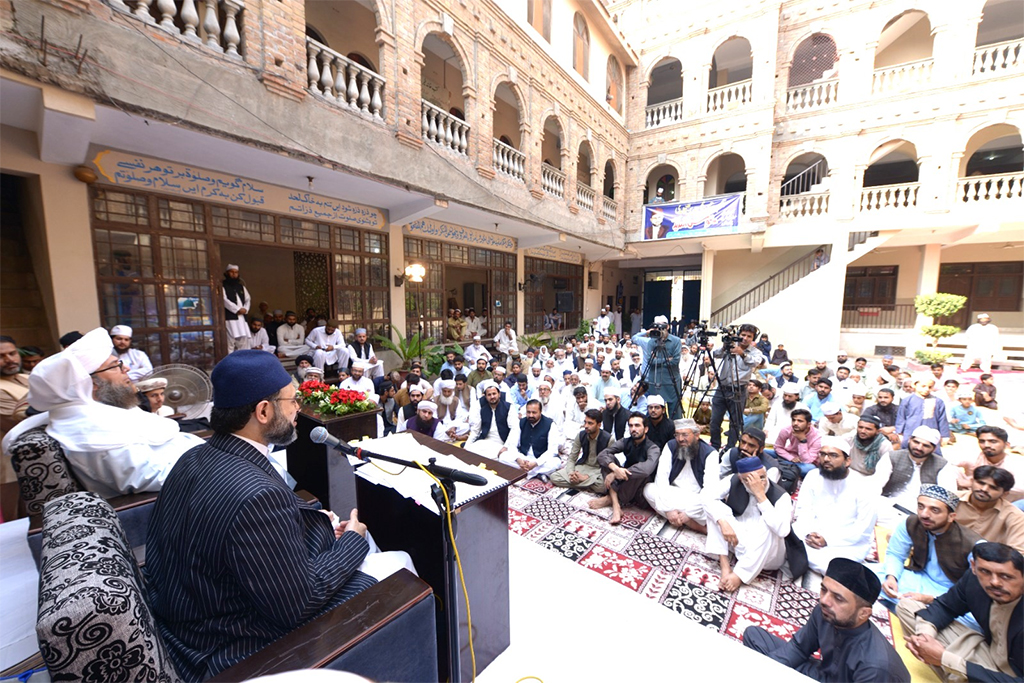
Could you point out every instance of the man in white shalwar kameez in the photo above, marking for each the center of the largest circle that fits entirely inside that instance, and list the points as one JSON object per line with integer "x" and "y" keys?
{"x": 551, "y": 405}
{"x": 534, "y": 445}
{"x": 357, "y": 379}
{"x": 114, "y": 447}
{"x": 686, "y": 464}
{"x": 291, "y": 337}
{"x": 259, "y": 339}
{"x": 236, "y": 306}
{"x": 485, "y": 434}
{"x": 982, "y": 344}
{"x": 476, "y": 350}
{"x": 328, "y": 345}
{"x": 454, "y": 418}
{"x": 757, "y": 535}
{"x": 136, "y": 361}
{"x": 362, "y": 350}
{"x": 835, "y": 513}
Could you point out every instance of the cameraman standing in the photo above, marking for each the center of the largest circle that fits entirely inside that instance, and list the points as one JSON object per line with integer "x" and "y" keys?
{"x": 739, "y": 360}
{"x": 661, "y": 364}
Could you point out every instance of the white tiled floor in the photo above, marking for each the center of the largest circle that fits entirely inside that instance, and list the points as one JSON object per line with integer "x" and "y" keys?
{"x": 571, "y": 624}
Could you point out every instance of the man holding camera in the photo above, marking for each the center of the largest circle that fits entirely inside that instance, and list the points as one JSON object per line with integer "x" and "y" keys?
{"x": 739, "y": 357}
{"x": 661, "y": 364}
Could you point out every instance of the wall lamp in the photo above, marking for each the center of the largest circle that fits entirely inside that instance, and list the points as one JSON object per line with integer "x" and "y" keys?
{"x": 414, "y": 272}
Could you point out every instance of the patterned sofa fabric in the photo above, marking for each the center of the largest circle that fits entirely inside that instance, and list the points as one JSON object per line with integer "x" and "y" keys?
{"x": 94, "y": 623}
{"x": 43, "y": 470}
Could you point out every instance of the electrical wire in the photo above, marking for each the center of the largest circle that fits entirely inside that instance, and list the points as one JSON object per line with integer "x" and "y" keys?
{"x": 458, "y": 562}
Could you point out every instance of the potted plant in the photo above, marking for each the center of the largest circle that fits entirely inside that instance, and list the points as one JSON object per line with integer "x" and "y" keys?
{"x": 939, "y": 305}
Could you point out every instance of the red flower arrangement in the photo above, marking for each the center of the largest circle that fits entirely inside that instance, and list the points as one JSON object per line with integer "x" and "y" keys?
{"x": 329, "y": 400}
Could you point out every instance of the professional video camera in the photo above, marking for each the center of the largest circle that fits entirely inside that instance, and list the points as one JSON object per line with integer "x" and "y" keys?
{"x": 729, "y": 334}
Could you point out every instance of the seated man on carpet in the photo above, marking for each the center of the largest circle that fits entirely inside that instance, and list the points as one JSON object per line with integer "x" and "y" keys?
{"x": 991, "y": 593}
{"x": 835, "y": 421}
{"x": 852, "y": 649}
{"x": 965, "y": 417}
{"x": 222, "y": 590}
{"x": 749, "y": 514}
{"x": 627, "y": 465}
{"x": 615, "y": 417}
{"x": 800, "y": 442}
{"x": 661, "y": 429}
{"x": 91, "y": 408}
{"x": 993, "y": 442}
{"x": 902, "y": 473}
{"x": 576, "y": 406}
{"x": 534, "y": 447}
{"x": 835, "y": 513}
{"x": 491, "y": 422}
{"x": 582, "y": 470}
{"x": 425, "y": 421}
{"x": 984, "y": 508}
{"x": 869, "y": 454}
{"x": 922, "y": 408}
{"x": 454, "y": 418}
{"x": 675, "y": 493}
{"x": 751, "y": 445}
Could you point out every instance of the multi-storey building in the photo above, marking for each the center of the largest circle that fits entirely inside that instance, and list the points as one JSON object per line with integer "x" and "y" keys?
{"x": 511, "y": 148}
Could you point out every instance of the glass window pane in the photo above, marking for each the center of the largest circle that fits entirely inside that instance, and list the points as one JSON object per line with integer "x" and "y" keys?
{"x": 376, "y": 272}
{"x": 129, "y": 304}
{"x": 188, "y": 305}
{"x": 181, "y": 216}
{"x": 347, "y": 239}
{"x": 376, "y": 243}
{"x": 150, "y": 344}
{"x": 305, "y": 233}
{"x": 123, "y": 254}
{"x": 192, "y": 348}
{"x": 350, "y": 305}
{"x": 347, "y": 270}
{"x": 378, "y": 302}
{"x": 247, "y": 225}
{"x": 183, "y": 258}
{"x": 120, "y": 207}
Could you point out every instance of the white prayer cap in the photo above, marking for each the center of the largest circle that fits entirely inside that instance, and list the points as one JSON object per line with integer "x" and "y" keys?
{"x": 545, "y": 383}
{"x": 841, "y": 353}
{"x": 686, "y": 423}
{"x": 836, "y": 442}
{"x": 446, "y": 384}
{"x": 232, "y": 266}
{"x": 791, "y": 388}
{"x": 965, "y": 392}
{"x": 924, "y": 433}
{"x": 476, "y": 337}
{"x": 485, "y": 385}
{"x": 831, "y": 408}
{"x": 63, "y": 378}
{"x": 858, "y": 390}
{"x": 655, "y": 401}
{"x": 151, "y": 384}
{"x": 660, "y": 320}
{"x": 120, "y": 331}
{"x": 360, "y": 330}
{"x": 361, "y": 364}
{"x": 427, "y": 405}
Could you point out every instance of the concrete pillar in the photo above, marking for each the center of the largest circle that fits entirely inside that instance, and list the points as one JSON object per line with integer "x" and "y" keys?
{"x": 707, "y": 273}
{"x": 396, "y": 251}
{"x": 928, "y": 278}
{"x": 858, "y": 67}
{"x": 520, "y": 295}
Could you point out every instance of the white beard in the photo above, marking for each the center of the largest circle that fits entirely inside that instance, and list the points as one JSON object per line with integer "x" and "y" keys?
{"x": 445, "y": 400}
{"x": 301, "y": 372}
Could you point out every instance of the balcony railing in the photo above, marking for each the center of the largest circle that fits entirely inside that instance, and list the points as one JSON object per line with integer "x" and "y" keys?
{"x": 342, "y": 81}
{"x": 585, "y": 196}
{"x": 999, "y": 58}
{"x": 890, "y": 316}
{"x": 198, "y": 22}
{"x": 902, "y": 77}
{"x": 812, "y": 96}
{"x": 664, "y": 113}
{"x": 729, "y": 96}
{"x": 441, "y": 128}
{"x": 610, "y": 210}
{"x": 509, "y": 161}
{"x": 796, "y": 206}
{"x": 889, "y": 197}
{"x": 552, "y": 181}
{"x": 990, "y": 188}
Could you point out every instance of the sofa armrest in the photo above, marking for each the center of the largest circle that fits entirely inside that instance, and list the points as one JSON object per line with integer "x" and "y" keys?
{"x": 316, "y": 644}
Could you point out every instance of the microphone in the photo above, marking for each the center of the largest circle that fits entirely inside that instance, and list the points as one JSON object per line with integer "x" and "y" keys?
{"x": 457, "y": 475}
{"x": 321, "y": 435}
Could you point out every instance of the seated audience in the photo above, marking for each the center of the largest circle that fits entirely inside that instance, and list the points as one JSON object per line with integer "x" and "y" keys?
{"x": 413, "y": 396}
{"x": 756, "y": 406}
{"x": 835, "y": 515}
{"x": 388, "y": 415}
{"x": 425, "y": 421}
{"x": 869, "y": 451}
{"x": 491, "y": 421}
{"x": 136, "y": 361}
{"x": 885, "y": 410}
{"x": 259, "y": 339}
{"x": 660, "y": 428}
{"x": 787, "y": 400}
{"x": 479, "y": 373}
{"x": 902, "y": 473}
{"x": 615, "y": 417}
{"x": 328, "y": 346}
{"x": 534, "y": 445}
{"x": 991, "y": 593}
{"x": 675, "y": 493}
{"x": 13, "y": 385}
{"x": 291, "y": 337}
{"x": 985, "y": 392}
{"x": 851, "y": 648}
{"x": 835, "y": 422}
{"x": 751, "y": 445}
{"x": 965, "y": 418}
{"x": 993, "y": 441}
{"x": 476, "y": 351}
{"x": 357, "y": 379}
{"x": 582, "y": 470}
{"x": 627, "y": 465}
{"x": 985, "y": 510}
{"x": 800, "y": 442}
{"x": 454, "y": 418}
{"x": 817, "y": 399}
{"x": 30, "y": 357}
{"x": 921, "y": 408}
{"x": 362, "y": 350}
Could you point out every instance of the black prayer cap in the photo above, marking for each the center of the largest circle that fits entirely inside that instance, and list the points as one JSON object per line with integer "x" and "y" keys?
{"x": 70, "y": 338}
{"x": 756, "y": 433}
{"x": 856, "y": 577}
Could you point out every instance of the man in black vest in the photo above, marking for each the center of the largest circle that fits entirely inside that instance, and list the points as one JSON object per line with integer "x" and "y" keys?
{"x": 905, "y": 471}
{"x": 991, "y": 592}
{"x": 490, "y": 422}
{"x": 408, "y": 411}
{"x": 627, "y": 465}
{"x": 686, "y": 460}
{"x": 534, "y": 447}
{"x": 582, "y": 470}
{"x": 615, "y": 416}
{"x": 387, "y": 403}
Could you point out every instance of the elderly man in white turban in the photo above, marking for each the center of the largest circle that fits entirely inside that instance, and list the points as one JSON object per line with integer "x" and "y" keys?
{"x": 550, "y": 404}
{"x": 135, "y": 360}
{"x": 236, "y": 306}
{"x": 362, "y": 350}
{"x": 357, "y": 379}
{"x": 476, "y": 350}
{"x": 92, "y": 410}
{"x": 676, "y": 491}
{"x": 454, "y": 417}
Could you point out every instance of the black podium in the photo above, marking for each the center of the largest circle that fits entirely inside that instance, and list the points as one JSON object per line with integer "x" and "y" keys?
{"x": 481, "y": 532}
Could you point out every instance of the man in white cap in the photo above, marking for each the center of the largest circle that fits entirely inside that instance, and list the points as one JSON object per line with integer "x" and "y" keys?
{"x": 328, "y": 345}
{"x": 425, "y": 421}
{"x": 92, "y": 410}
{"x": 835, "y": 422}
{"x": 153, "y": 389}
{"x": 454, "y": 418}
{"x": 685, "y": 461}
{"x": 602, "y": 322}
{"x": 475, "y": 351}
{"x": 778, "y": 417}
{"x": 236, "y": 306}
{"x": 551, "y": 404}
{"x": 982, "y": 344}
{"x": 135, "y": 360}
{"x": 361, "y": 349}
{"x": 357, "y": 379}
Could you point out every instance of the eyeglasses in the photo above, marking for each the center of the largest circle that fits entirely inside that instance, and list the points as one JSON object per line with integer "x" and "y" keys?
{"x": 293, "y": 399}
{"x": 119, "y": 365}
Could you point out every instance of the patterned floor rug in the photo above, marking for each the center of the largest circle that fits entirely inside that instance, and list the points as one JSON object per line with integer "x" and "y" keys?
{"x": 661, "y": 563}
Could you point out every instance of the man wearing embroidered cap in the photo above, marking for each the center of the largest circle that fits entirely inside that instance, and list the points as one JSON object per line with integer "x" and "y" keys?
{"x": 851, "y": 648}
{"x": 135, "y": 360}
{"x": 153, "y": 389}
{"x": 901, "y": 474}
{"x": 236, "y": 305}
{"x": 362, "y": 350}
{"x": 92, "y": 410}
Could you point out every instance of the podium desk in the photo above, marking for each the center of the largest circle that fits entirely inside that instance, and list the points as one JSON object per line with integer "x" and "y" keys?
{"x": 481, "y": 533}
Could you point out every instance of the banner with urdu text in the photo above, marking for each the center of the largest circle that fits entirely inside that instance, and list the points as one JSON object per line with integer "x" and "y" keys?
{"x": 710, "y": 216}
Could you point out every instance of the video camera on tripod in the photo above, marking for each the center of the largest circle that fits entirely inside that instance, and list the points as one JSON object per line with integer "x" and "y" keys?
{"x": 729, "y": 334}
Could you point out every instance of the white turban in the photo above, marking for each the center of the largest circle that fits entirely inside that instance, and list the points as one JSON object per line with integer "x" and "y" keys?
{"x": 656, "y": 401}
{"x": 485, "y": 385}
{"x": 232, "y": 266}
{"x": 791, "y": 388}
{"x": 361, "y": 364}
{"x": 545, "y": 383}
{"x": 924, "y": 432}
{"x": 151, "y": 384}
{"x": 120, "y": 331}
{"x": 427, "y": 405}
{"x": 836, "y": 442}
{"x": 64, "y": 377}
{"x": 446, "y": 384}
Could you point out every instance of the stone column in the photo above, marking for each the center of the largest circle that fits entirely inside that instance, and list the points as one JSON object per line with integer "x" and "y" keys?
{"x": 707, "y": 274}
{"x": 520, "y": 295}
{"x": 396, "y": 251}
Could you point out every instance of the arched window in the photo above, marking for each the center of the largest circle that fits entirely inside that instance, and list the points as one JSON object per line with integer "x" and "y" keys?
{"x": 814, "y": 59}
{"x": 614, "y": 91}
{"x": 581, "y": 46}
{"x": 361, "y": 61}
{"x": 315, "y": 35}
{"x": 538, "y": 14}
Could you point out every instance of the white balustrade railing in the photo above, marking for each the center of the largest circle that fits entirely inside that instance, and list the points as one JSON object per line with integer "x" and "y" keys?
{"x": 990, "y": 188}
{"x": 342, "y": 81}
{"x": 999, "y": 58}
{"x": 509, "y": 161}
{"x": 729, "y": 96}
{"x": 812, "y": 96}
{"x": 804, "y": 205}
{"x": 585, "y": 196}
{"x": 889, "y": 197}
{"x": 441, "y": 128}
{"x": 902, "y": 77}
{"x": 609, "y": 209}
{"x": 552, "y": 180}
{"x": 198, "y": 21}
{"x": 664, "y": 113}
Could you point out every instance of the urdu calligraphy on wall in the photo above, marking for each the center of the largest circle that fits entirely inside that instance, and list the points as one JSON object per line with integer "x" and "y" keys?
{"x": 457, "y": 233}
{"x": 142, "y": 173}
{"x": 555, "y": 254}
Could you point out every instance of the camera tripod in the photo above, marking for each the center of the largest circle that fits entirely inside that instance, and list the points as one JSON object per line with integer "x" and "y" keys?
{"x": 736, "y": 402}
{"x": 661, "y": 353}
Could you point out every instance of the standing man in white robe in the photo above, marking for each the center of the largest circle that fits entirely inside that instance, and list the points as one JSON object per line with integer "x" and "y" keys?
{"x": 327, "y": 345}
{"x": 259, "y": 339}
{"x": 291, "y": 337}
{"x": 236, "y": 306}
{"x": 686, "y": 463}
{"x": 982, "y": 344}
{"x": 835, "y": 513}
{"x": 135, "y": 360}
{"x": 361, "y": 349}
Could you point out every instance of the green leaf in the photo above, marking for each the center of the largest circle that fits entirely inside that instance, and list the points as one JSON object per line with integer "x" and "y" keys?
{"x": 939, "y": 305}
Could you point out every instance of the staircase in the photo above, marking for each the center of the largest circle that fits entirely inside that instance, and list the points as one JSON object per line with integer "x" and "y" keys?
{"x": 22, "y": 314}
{"x": 765, "y": 290}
